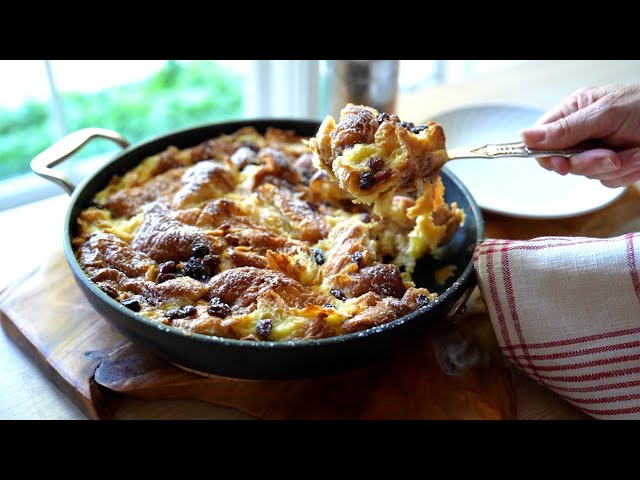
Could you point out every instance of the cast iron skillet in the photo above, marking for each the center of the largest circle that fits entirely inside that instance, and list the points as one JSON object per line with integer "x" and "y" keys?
{"x": 241, "y": 358}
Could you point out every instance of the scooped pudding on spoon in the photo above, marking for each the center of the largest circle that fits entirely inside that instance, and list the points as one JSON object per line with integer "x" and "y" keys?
{"x": 382, "y": 161}
{"x": 375, "y": 156}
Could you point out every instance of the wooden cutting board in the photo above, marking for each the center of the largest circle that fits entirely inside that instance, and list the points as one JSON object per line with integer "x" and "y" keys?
{"x": 454, "y": 371}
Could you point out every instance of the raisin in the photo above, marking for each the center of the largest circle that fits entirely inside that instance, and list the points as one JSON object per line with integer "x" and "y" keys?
{"x": 252, "y": 146}
{"x": 318, "y": 255}
{"x": 418, "y": 129}
{"x": 338, "y": 294}
{"x": 210, "y": 263}
{"x": 357, "y": 258}
{"x": 327, "y": 305}
{"x": 382, "y": 175}
{"x": 382, "y": 117}
{"x": 232, "y": 240}
{"x": 199, "y": 250}
{"x": 367, "y": 181}
{"x": 208, "y": 151}
{"x": 163, "y": 277}
{"x": 167, "y": 267}
{"x": 132, "y": 303}
{"x": 264, "y": 328}
{"x": 194, "y": 269}
{"x": 375, "y": 164}
{"x": 184, "y": 312}
{"x": 109, "y": 290}
{"x": 365, "y": 217}
{"x": 407, "y": 125}
{"x": 218, "y": 308}
{"x": 422, "y": 299}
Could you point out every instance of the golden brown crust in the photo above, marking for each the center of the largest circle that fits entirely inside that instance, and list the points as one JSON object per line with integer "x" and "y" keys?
{"x": 241, "y": 287}
{"x": 350, "y": 239}
{"x": 382, "y": 312}
{"x": 163, "y": 238}
{"x": 358, "y": 124}
{"x": 105, "y": 250}
{"x": 243, "y": 237}
{"x": 304, "y": 220}
{"x": 202, "y": 182}
{"x": 127, "y": 202}
{"x": 178, "y": 291}
{"x": 383, "y": 279}
{"x": 238, "y": 258}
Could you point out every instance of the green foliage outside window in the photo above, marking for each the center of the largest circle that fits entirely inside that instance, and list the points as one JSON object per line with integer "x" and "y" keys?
{"x": 178, "y": 96}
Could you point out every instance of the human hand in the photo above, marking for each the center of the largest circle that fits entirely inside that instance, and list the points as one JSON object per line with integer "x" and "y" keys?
{"x": 610, "y": 113}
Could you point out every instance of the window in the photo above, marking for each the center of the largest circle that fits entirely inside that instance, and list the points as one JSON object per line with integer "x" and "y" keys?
{"x": 40, "y": 101}
{"x": 24, "y": 113}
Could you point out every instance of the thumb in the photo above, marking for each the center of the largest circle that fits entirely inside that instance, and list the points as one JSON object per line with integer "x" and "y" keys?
{"x": 566, "y": 131}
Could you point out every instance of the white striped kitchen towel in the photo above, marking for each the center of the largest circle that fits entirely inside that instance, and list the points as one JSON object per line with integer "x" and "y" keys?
{"x": 566, "y": 310}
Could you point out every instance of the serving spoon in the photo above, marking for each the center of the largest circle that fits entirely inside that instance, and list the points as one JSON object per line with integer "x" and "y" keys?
{"x": 519, "y": 149}
{"x": 500, "y": 150}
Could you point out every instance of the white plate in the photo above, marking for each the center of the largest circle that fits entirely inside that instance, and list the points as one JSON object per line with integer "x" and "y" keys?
{"x": 515, "y": 186}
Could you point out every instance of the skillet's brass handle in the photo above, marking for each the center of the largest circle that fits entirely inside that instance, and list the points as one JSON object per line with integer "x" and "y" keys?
{"x": 67, "y": 146}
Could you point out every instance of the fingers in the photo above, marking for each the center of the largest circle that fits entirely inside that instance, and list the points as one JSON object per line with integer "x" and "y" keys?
{"x": 568, "y": 106}
{"x": 590, "y": 113}
{"x": 622, "y": 181}
{"x": 597, "y": 163}
{"x": 552, "y": 115}
{"x": 572, "y": 103}
{"x": 555, "y": 164}
{"x": 627, "y": 173}
{"x": 612, "y": 169}
{"x": 569, "y": 130}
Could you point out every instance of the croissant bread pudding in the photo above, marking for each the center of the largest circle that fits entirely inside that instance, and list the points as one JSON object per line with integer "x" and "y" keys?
{"x": 243, "y": 237}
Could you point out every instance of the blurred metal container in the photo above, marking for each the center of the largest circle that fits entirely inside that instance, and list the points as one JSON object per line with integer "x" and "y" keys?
{"x": 365, "y": 82}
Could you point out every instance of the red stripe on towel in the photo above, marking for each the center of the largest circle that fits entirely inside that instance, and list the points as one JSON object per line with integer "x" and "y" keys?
{"x": 493, "y": 248}
{"x": 496, "y": 302}
{"x": 615, "y": 411}
{"x": 633, "y": 269}
{"x": 596, "y": 401}
{"x": 578, "y": 353}
{"x": 572, "y": 341}
{"x": 592, "y": 363}
{"x": 508, "y": 286}
{"x": 599, "y": 388}
{"x": 592, "y": 376}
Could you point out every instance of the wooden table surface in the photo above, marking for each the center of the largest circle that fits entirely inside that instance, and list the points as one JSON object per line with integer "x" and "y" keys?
{"x": 27, "y": 394}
